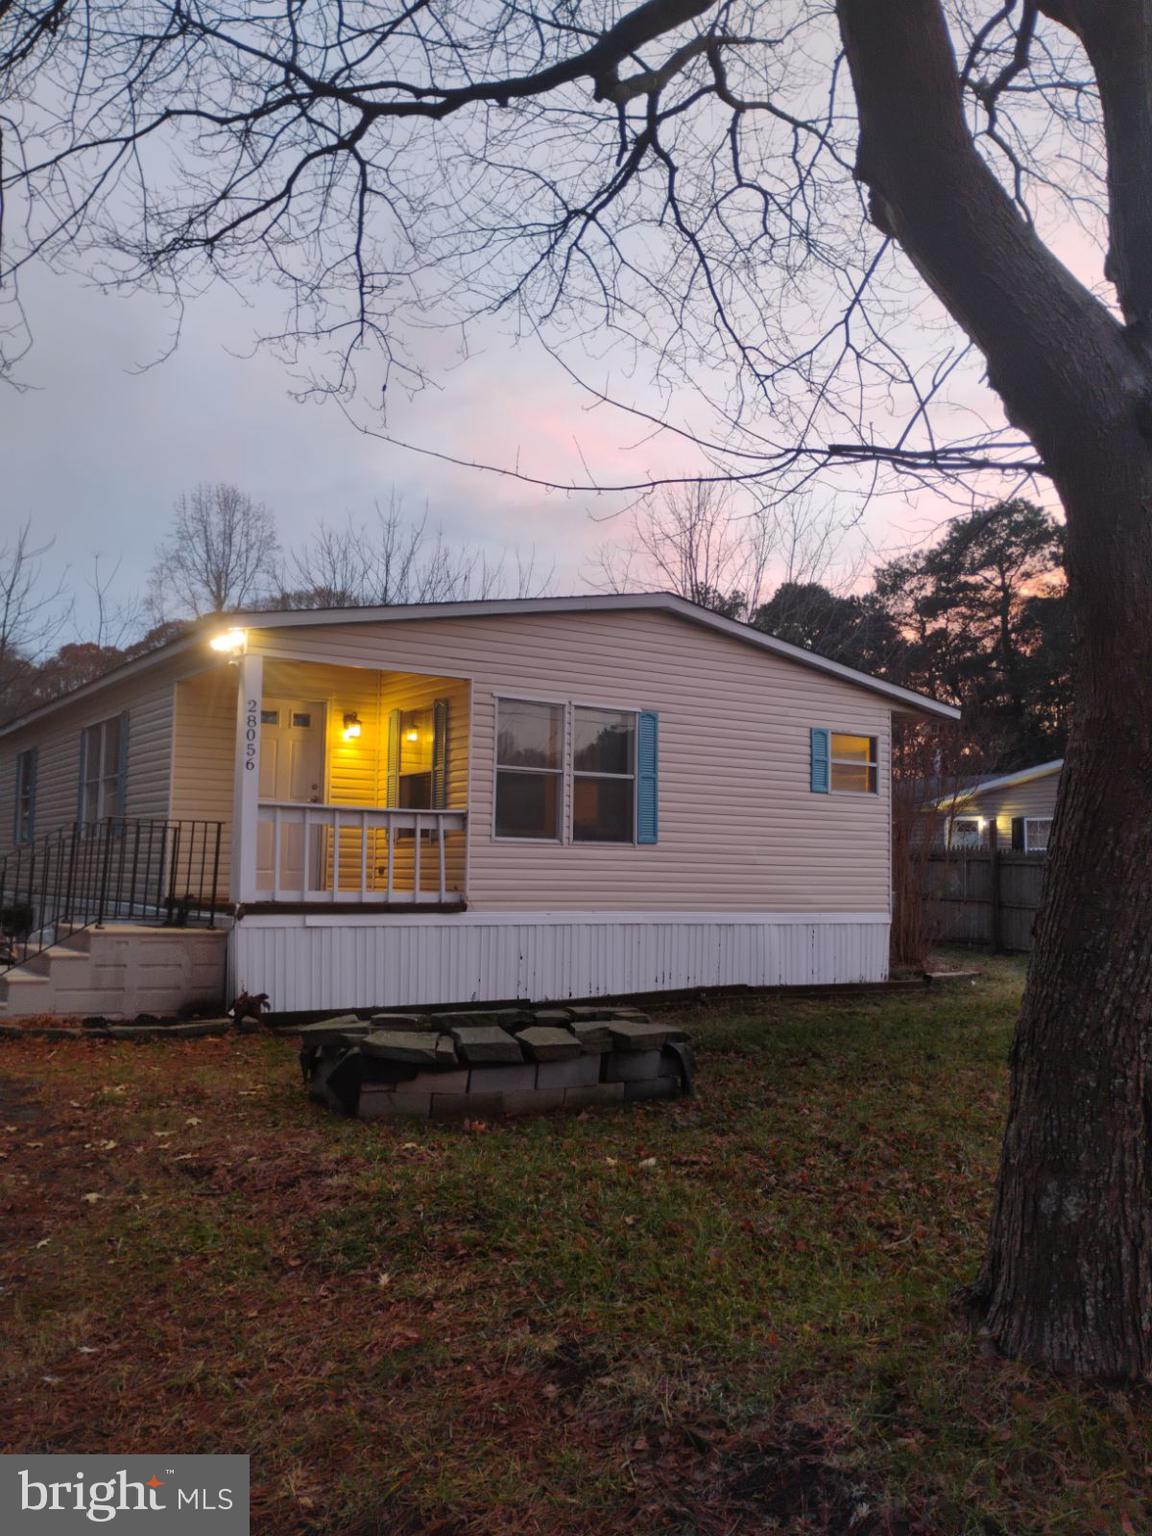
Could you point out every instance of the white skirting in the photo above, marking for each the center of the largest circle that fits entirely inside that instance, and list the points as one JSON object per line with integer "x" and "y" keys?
{"x": 333, "y": 962}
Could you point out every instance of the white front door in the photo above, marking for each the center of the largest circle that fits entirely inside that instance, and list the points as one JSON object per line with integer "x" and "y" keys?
{"x": 291, "y": 773}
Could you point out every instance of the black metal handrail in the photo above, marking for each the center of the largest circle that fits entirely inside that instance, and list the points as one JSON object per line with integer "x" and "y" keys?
{"x": 118, "y": 869}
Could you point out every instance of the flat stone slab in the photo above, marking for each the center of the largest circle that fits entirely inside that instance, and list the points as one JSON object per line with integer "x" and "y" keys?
{"x": 325, "y": 1030}
{"x": 446, "y": 1057}
{"x": 481, "y": 1018}
{"x": 402, "y": 1021}
{"x": 418, "y": 1050}
{"x": 547, "y": 1044}
{"x": 552, "y": 1017}
{"x": 635, "y": 1035}
{"x": 594, "y": 1035}
{"x": 480, "y": 1043}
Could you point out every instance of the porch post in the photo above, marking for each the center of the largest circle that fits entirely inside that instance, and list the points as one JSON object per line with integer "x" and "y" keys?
{"x": 246, "y": 797}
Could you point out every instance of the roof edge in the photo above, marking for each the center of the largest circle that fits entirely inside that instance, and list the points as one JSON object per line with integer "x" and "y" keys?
{"x": 1002, "y": 781}
{"x": 667, "y": 602}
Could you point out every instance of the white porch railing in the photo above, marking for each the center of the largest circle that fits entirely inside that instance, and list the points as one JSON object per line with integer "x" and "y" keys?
{"x": 358, "y": 853}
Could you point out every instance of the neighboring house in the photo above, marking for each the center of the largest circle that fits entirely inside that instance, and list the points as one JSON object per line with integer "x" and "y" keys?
{"x": 445, "y": 803}
{"x": 1019, "y": 805}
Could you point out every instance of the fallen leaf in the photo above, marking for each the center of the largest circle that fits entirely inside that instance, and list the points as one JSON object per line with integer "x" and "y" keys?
{"x": 92, "y": 1198}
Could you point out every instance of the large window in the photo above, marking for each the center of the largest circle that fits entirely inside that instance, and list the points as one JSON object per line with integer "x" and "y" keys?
{"x": 854, "y": 764}
{"x": 529, "y": 768}
{"x": 102, "y": 769}
{"x": 603, "y": 776}
{"x": 25, "y": 826}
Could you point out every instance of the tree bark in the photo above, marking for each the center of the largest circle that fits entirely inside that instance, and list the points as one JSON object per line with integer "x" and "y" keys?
{"x": 1067, "y": 1277}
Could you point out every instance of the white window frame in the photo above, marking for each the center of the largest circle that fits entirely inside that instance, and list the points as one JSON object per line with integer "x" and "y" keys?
{"x": 557, "y": 773}
{"x": 96, "y": 733}
{"x": 27, "y": 774}
{"x": 873, "y": 764}
{"x": 1030, "y": 821}
{"x": 580, "y": 773}
{"x": 568, "y": 772}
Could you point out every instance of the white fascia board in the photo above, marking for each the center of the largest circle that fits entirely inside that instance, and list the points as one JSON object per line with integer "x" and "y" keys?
{"x": 1005, "y": 781}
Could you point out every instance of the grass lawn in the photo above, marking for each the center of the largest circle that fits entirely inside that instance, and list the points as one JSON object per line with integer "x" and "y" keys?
{"x": 726, "y": 1315}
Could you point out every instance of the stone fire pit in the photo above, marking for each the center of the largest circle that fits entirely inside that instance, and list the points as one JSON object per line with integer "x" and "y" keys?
{"x": 504, "y": 1061}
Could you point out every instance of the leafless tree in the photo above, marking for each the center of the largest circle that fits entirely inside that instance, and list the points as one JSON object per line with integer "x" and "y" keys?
{"x": 219, "y": 554}
{"x": 831, "y": 216}
{"x": 394, "y": 559}
{"x": 33, "y": 610}
{"x": 702, "y": 542}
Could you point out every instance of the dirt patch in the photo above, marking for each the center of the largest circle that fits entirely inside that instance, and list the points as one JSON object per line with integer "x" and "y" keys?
{"x": 797, "y": 1483}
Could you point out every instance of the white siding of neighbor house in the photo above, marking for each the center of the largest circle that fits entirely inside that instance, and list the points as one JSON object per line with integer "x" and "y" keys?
{"x": 1036, "y": 797}
{"x": 740, "y": 829}
{"x": 149, "y": 706}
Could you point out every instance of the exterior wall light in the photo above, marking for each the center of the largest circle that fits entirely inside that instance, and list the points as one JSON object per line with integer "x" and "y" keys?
{"x": 352, "y": 726}
{"x": 411, "y": 734}
{"x": 230, "y": 642}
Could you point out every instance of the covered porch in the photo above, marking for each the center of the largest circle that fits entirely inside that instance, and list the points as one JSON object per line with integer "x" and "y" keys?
{"x": 348, "y": 784}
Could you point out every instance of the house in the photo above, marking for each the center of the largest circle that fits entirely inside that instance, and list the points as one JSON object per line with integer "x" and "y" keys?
{"x": 1020, "y": 807}
{"x": 454, "y": 802}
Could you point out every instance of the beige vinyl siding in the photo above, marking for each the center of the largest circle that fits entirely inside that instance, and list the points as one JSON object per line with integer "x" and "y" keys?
{"x": 1036, "y": 797}
{"x": 204, "y": 750}
{"x": 149, "y": 706}
{"x": 740, "y": 829}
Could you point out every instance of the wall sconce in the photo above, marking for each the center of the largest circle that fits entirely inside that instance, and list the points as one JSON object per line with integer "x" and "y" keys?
{"x": 352, "y": 726}
{"x": 411, "y": 734}
{"x": 230, "y": 642}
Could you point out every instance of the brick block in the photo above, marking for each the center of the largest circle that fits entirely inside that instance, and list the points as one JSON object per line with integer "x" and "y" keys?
{"x": 579, "y": 1072}
{"x": 439, "y": 1082}
{"x": 632, "y": 1066}
{"x": 382, "y": 1105}
{"x": 533, "y": 1101}
{"x": 653, "y": 1088}
{"x": 496, "y": 1079}
{"x": 466, "y": 1106}
{"x": 591, "y": 1097}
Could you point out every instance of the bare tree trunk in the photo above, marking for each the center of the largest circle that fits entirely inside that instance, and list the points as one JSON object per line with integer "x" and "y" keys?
{"x": 1067, "y": 1278}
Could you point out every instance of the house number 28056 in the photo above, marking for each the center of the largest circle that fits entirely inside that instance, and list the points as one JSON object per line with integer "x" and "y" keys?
{"x": 251, "y": 735}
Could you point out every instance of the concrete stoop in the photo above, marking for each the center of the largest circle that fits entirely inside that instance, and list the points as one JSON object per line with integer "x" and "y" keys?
{"x": 119, "y": 971}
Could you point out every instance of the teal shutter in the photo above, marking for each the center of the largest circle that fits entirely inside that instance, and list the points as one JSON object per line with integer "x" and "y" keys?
{"x": 819, "y": 761}
{"x": 647, "y": 777}
{"x": 122, "y": 770}
{"x": 440, "y": 755}
{"x": 392, "y": 796}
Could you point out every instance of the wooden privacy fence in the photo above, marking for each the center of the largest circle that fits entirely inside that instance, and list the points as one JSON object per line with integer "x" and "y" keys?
{"x": 984, "y": 897}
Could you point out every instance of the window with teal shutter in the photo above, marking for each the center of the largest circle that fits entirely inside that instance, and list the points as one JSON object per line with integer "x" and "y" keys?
{"x": 647, "y": 777}
{"x": 819, "y": 761}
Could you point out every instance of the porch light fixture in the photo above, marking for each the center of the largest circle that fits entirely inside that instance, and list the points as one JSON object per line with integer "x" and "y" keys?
{"x": 411, "y": 734}
{"x": 352, "y": 726}
{"x": 230, "y": 642}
